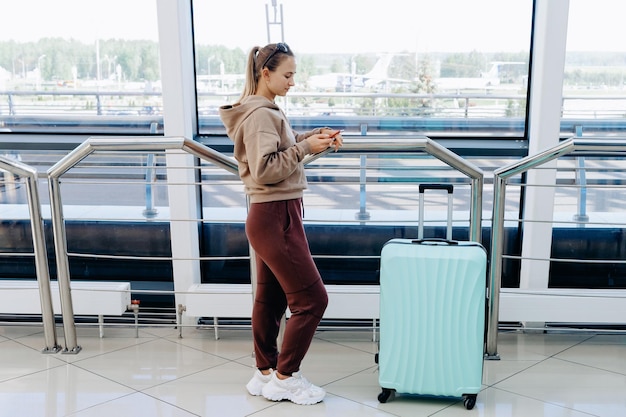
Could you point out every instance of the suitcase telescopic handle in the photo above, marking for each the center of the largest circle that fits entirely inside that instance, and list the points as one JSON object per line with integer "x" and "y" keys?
{"x": 448, "y": 187}
{"x": 422, "y": 188}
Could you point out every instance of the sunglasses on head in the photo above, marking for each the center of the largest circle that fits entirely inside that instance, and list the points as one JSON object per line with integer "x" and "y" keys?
{"x": 282, "y": 47}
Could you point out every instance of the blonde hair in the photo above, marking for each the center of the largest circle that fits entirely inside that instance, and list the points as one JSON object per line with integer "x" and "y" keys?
{"x": 258, "y": 58}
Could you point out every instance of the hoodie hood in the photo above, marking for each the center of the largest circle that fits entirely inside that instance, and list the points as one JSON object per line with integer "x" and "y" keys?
{"x": 233, "y": 115}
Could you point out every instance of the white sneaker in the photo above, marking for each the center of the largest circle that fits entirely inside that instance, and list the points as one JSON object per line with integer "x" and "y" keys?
{"x": 258, "y": 381}
{"x": 295, "y": 389}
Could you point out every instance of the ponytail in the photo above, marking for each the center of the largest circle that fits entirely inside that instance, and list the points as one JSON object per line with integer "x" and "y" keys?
{"x": 251, "y": 74}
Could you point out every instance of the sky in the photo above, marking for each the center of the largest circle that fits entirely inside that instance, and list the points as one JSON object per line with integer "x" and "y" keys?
{"x": 340, "y": 26}
{"x": 78, "y": 19}
{"x": 324, "y": 26}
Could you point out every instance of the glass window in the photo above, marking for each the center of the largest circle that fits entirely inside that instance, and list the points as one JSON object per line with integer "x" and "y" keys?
{"x": 594, "y": 84}
{"x": 80, "y": 67}
{"x": 442, "y": 68}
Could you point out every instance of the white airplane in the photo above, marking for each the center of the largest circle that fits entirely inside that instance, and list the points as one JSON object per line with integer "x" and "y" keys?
{"x": 326, "y": 82}
{"x": 347, "y": 82}
{"x": 491, "y": 78}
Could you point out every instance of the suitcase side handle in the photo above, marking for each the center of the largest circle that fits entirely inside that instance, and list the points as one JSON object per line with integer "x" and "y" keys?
{"x": 448, "y": 187}
{"x": 435, "y": 240}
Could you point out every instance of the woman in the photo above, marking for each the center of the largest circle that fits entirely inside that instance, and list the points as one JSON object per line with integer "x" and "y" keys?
{"x": 270, "y": 153}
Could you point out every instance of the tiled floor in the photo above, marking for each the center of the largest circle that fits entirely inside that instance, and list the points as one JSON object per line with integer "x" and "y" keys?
{"x": 159, "y": 374}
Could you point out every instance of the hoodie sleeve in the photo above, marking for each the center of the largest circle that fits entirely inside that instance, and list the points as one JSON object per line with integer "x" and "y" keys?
{"x": 302, "y": 136}
{"x": 272, "y": 152}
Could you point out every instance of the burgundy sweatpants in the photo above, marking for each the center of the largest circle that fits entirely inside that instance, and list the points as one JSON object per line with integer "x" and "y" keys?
{"x": 286, "y": 276}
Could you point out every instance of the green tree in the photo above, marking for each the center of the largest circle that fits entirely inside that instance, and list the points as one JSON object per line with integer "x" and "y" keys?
{"x": 463, "y": 65}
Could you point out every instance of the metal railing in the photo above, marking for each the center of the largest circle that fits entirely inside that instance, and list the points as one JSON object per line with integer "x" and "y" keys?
{"x": 29, "y": 175}
{"x": 574, "y": 147}
{"x": 150, "y": 145}
{"x": 86, "y": 148}
{"x": 80, "y": 102}
{"x": 121, "y": 102}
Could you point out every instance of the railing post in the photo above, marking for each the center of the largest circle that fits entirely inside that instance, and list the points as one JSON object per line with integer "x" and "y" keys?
{"x": 581, "y": 180}
{"x": 63, "y": 268}
{"x": 495, "y": 268}
{"x": 98, "y": 105}
{"x": 362, "y": 214}
{"x": 150, "y": 212}
{"x": 41, "y": 266}
{"x": 11, "y": 105}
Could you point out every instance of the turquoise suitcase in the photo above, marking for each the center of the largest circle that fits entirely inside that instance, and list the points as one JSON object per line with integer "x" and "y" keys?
{"x": 432, "y": 318}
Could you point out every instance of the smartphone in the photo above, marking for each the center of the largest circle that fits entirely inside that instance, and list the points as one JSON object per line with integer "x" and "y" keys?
{"x": 336, "y": 133}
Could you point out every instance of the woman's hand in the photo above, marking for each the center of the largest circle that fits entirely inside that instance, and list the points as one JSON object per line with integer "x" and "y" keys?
{"x": 324, "y": 140}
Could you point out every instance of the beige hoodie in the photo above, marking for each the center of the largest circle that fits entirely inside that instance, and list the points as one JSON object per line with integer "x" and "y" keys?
{"x": 268, "y": 150}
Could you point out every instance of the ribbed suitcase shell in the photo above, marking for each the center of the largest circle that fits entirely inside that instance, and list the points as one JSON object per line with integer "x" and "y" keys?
{"x": 432, "y": 317}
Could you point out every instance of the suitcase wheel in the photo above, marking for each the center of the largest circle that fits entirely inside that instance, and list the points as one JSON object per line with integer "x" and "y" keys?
{"x": 386, "y": 395}
{"x": 469, "y": 401}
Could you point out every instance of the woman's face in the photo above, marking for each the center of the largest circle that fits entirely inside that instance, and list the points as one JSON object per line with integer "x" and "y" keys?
{"x": 282, "y": 79}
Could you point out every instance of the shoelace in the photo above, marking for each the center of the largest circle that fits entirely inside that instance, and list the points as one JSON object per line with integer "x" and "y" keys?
{"x": 301, "y": 384}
